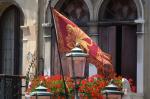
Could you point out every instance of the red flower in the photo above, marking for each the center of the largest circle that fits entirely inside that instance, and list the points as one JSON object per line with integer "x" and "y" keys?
{"x": 91, "y": 86}
{"x": 48, "y": 90}
{"x": 132, "y": 84}
{"x": 133, "y": 88}
{"x": 83, "y": 82}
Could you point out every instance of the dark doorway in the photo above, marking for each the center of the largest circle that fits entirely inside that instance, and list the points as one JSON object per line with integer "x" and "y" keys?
{"x": 10, "y": 53}
{"x": 121, "y": 42}
{"x": 10, "y": 41}
{"x": 129, "y": 51}
{"x": 118, "y": 35}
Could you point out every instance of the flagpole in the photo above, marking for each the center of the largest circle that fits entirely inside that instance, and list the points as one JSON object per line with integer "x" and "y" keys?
{"x": 61, "y": 68}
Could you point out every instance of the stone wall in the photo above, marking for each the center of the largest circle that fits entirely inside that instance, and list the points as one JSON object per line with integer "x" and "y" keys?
{"x": 147, "y": 50}
{"x": 30, "y": 31}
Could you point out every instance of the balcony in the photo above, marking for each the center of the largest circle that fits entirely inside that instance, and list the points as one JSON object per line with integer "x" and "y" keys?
{"x": 11, "y": 86}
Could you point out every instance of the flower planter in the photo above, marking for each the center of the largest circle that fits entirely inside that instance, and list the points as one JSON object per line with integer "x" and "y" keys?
{"x": 40, "y": 97}
{"x": 86, "y": 97}
{"x": 113, "y": 97}
{"x": 58, "y": 97}
{"x": 129, "y": 96}
{"x": 72, "y": 97}
{"x": 61, "y": 97}
{"x": 49, "y": 97}
{"x": 91, "y": 86}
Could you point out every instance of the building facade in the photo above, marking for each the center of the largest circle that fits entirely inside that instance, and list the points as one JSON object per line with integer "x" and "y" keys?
{"x": 120, "y": 28}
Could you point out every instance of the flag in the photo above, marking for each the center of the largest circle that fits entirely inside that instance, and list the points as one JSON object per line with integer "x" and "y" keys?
{"x": 68, "y": 34}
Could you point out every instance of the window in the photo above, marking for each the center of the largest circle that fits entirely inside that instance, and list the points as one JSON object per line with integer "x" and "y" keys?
{"x": 75, "y": 10}
{"x": 118, "y": 10}
{"x": 117, "y": 35}
{"x": 10, "y": 41}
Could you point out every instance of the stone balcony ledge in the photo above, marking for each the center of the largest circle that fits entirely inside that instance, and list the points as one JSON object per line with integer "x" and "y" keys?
{"x": 128, "y": 96}
{"x": 133, "y": 96}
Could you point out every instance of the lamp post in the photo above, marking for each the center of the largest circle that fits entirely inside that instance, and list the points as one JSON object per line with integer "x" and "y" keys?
{"x": 111, "y": 90}
{"x": 76, "y": 61}
{"x": 41, "y": 93}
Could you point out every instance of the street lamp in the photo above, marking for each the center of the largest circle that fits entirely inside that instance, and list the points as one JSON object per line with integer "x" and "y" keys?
{"x": 76, "y": 61}
{"x": 111, "y": 90}
{"x": 41, "y": 93}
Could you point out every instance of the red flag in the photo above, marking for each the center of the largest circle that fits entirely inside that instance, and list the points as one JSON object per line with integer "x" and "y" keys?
{"x": 69, "y": 34}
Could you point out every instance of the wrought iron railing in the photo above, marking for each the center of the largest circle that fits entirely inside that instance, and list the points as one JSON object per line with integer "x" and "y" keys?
{"x": 11, "y": 86}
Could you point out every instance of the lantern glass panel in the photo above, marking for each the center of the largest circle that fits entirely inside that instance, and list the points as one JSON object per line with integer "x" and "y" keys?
{"x": 77, "y": 66}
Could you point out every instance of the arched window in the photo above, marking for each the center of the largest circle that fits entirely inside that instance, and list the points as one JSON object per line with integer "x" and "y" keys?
{"x": 118, "y": 10}
{"x": 10, "y": 41}
{"x": 117, "y": 34}
{"x": 77, "y": 11}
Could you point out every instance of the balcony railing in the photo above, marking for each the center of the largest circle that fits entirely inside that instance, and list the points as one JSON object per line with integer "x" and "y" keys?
{"x": 11, "y": 86}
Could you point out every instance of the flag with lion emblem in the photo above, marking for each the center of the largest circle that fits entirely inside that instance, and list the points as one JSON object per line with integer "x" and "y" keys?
{"x": 68, "y": 34}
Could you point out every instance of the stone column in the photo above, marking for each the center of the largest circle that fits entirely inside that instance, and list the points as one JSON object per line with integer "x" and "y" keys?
{"x": 140, "y": 64}
{"x": 93, "y": 30}
{"x": 26, "y": 33}
{"x": 47, "y": 48}
{"x": 140, "y": 55}
{"x": 42, "y": 4}
{"x": 93, "y": 33}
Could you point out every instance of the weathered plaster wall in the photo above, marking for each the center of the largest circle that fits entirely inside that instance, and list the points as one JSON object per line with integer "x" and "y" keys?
{"x": 30, "y": 30}
{"x": 147, "y": 50}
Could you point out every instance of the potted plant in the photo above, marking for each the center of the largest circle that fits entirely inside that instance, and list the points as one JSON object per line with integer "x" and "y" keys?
{"x": 92, "y": 87}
